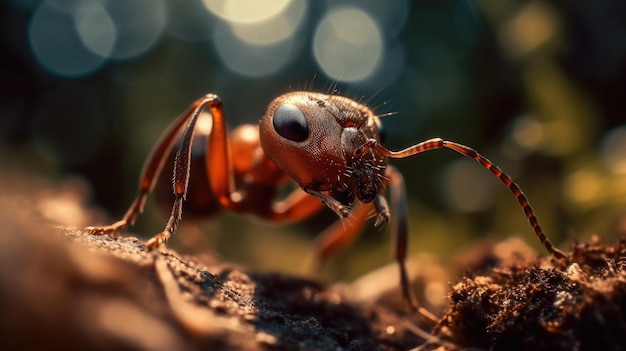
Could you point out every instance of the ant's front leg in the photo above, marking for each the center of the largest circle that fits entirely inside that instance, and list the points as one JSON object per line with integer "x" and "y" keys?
{"x": 338, "y": 236}
{"x": 154, "y": 165}
{"x": 218, "y": 163}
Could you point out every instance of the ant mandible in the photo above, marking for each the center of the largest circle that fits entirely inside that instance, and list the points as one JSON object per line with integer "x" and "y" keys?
{"x": 329, "y": 144}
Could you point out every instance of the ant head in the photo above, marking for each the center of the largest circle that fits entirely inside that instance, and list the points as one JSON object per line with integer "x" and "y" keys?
{"x": 312, "y": 137}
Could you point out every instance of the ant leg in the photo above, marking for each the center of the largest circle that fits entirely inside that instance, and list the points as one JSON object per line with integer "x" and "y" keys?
{"x": 182, "y": 163}
{"x": 300, "y": 205}
{"x": 150, "y": 172}
{"x": 337, "y": 236}
{"x": 296, "y": 206}
{"x": 218, "y": 159}
{"x": 437, "y": 143}
{"x": 399, "y": 230}
{"x": 330, "y": 202}
{"x": 220, "y": 167}
{"x": 154, "y": 165}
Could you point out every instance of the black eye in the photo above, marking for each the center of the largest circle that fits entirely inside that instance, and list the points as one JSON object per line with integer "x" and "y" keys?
{"x": 290, "y": 123}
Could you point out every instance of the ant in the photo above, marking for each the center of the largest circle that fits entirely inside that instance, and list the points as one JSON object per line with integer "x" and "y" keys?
{"x": 330, "y": 145}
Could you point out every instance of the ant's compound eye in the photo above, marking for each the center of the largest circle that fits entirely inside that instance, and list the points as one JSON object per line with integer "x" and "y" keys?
{"x": 290, "y": 123}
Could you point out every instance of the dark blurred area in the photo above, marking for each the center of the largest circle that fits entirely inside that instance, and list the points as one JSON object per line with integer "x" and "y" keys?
{"x": 536, "y": 86}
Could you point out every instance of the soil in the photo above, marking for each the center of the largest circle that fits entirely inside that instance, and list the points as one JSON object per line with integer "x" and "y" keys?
{"x": 510, "y": 301}
{"x": 61, "y": 289}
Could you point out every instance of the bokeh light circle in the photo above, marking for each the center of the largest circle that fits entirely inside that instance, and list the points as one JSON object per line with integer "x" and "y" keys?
{"x": 139, "y": 25}
{"x": 56, "y": 45}
{"x": 95, "y": 28}
{"x": 246, "y": 11}
{"x": 278, "y": 28}
{"x": 348, "y": 44}
{"x": 467, "y": 187}
{"x": 250, "y": 59}
{"x": 75, "y": 38}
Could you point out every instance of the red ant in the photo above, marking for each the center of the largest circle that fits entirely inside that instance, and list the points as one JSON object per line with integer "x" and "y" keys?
{"x": 330, "y": 145}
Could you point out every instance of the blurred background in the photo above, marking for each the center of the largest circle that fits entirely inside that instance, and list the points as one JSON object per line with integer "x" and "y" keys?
{"x": 538, "y": 87}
